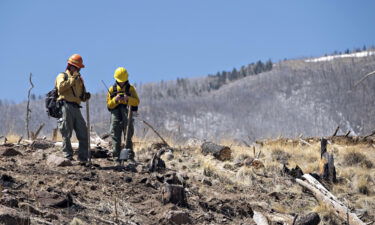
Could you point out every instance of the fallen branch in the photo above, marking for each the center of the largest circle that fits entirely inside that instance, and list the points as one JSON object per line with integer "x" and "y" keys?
{"x": 347, "y": 134}
{"x": 304, "y": 142}
{"x": 149, "y": 125}
{"x": 373, "y": 132}
{"x": 35, "y": 135}
{"x": 327, "y": 198}
{"x": 277, "y": 218}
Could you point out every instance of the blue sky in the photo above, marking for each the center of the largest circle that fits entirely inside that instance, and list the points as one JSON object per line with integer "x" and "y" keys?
{"x": 166, "y": 39}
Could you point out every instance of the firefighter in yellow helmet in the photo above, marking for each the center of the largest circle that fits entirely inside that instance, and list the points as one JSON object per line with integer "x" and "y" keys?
{"x": 71, "y": 91}
{"x": 119, "y": 97}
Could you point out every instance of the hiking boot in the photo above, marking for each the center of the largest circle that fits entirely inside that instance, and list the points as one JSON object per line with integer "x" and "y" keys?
{"x": 84, "y": 163}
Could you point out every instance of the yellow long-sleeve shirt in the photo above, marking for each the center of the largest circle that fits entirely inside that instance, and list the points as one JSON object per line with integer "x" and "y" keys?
{"x": 69, "y": 89}
{"x": 133, "y": 99}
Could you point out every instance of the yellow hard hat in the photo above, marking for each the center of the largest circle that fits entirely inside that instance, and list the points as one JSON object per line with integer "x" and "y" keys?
{"x": 121, "y": 75}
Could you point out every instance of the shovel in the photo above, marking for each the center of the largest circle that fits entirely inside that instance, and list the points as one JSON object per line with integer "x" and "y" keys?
{"x": 125, "y": 152}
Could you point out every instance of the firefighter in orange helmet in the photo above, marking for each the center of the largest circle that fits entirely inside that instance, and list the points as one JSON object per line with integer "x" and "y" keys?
{"x": 71, "y": 92}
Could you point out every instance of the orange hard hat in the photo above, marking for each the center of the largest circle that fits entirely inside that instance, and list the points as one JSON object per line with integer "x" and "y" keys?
{"x": 76, "y": 60}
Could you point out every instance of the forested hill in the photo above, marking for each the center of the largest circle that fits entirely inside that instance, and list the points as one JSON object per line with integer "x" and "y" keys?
{"x": 309, "y": 97}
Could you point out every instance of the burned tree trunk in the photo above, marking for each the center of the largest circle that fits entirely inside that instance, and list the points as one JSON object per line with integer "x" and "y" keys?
{"x": 218, "y": 151}
{"x": 28, "y": 111}
{"x": 327, "y": 168}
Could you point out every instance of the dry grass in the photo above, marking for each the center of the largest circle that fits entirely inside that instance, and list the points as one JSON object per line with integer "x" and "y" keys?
{"x": 12, "y": 138}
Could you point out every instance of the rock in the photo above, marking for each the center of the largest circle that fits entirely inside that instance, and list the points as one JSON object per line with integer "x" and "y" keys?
{"x": 8, "y": 151}
{"x": 54, "y": 160}
{"x": 128, "y": 179}
{"x": 53, "y": 199}
{"x": 9, "y": 216}
{"x": 178, "y": 217}
{"x": 6, "y": 180}
{"x": 309, "y": 219}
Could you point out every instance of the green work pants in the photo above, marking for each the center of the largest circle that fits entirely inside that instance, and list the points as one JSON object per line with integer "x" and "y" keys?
{"x": 72, "y": 119}
{"x": 119, "y": 121}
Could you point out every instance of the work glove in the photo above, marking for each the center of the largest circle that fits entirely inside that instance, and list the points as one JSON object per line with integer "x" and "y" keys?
{"x": 86, "y": 96}
{"x": 122, "y": 99}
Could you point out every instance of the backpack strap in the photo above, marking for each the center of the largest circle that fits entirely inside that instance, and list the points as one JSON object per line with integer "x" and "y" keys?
{"x": 114, "y": 90}
{"x": 65, "y": 76}
{"x": 127, "y": 89}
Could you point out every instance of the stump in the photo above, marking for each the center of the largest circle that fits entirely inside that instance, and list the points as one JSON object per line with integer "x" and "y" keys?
{"x": 172, "y": 193}
{"x": 156, "y": 163}
{"x": 327, "y": 170}
{"x": 220, "y": 152}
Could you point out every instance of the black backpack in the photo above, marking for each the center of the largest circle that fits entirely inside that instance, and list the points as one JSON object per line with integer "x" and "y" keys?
{"x": 53, "y": 107}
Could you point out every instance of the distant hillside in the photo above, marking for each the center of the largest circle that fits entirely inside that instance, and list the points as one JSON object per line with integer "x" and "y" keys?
{"x": 289, "y": 98}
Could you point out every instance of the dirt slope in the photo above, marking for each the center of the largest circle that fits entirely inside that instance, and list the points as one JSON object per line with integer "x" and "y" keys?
{"x": 216, "y": 192}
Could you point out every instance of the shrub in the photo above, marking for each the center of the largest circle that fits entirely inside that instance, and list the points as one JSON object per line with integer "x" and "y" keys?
{"x": 280, "y": 156}
{"x": 354, "y": 158}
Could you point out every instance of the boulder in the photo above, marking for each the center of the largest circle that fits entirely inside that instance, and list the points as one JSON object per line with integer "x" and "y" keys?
{"x": 9, "y": 216}
{"x": 54, "y": 161}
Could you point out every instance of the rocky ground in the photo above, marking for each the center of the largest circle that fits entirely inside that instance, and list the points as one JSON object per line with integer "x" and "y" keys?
{"x": 39, "y": 187}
